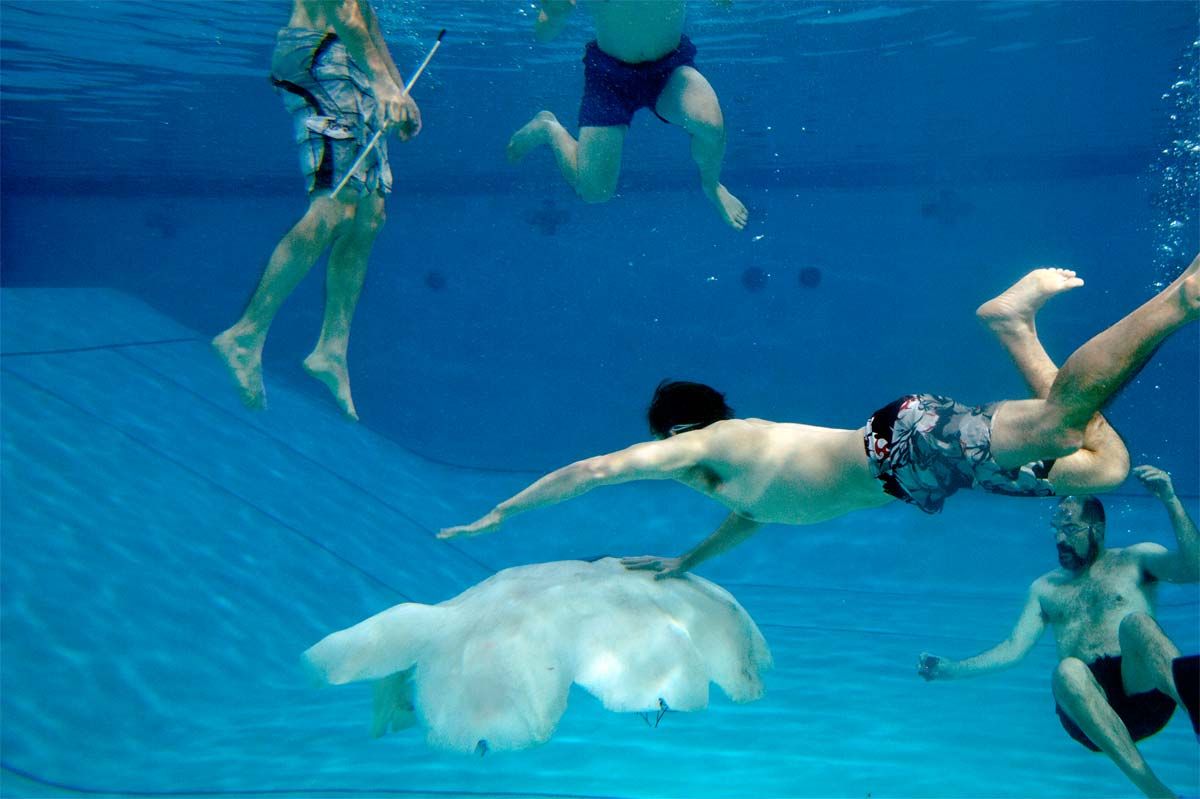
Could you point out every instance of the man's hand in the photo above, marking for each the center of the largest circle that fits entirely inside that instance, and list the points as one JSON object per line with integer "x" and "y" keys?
{"x": 930, "y": 666}
{"x": 1156, "y": 481}
{"x": 398, "y": 111}
{"x": 663, "y": 568}
{"x": 410, "y": 119}
{"x": 485, "y": 525}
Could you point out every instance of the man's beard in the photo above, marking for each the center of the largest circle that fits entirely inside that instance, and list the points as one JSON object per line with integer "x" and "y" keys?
{"x": 1072, "y": 561}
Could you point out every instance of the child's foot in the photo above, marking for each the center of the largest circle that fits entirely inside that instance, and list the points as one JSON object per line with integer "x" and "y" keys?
{"x": 245, "y": 365}
{"x": 729, "y": 207}
{"x": 332, "y": 372}
{"x": 535, "y": 132}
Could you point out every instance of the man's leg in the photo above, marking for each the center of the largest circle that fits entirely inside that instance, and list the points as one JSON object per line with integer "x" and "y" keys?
{"x": 1012, "y": 316}
{"x": 590, "y": 166}
{"x": 1082, "y": 698}
{"x": 690, "y": 102}
{"x": 241, "y": 345}
{"x": 343, "y": 284}
{"x": 1146, "y": 657}
{"x": 1031, "y": 430}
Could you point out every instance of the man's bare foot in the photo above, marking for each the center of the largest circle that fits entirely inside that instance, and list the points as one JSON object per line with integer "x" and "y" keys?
{"x": 244, "y": 362}
{"x": 535, "y": 132}
{"x": 332, "y": 372}
{"x": 729, "y": 207}
{"x": 1014, "y": 311}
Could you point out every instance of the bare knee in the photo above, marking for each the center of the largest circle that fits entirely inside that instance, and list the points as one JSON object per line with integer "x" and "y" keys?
{"x": 596, "y": 191}
{"x": 1110, "y": 472}
{"x": 371, "y": 220}
{"x": 708, "y": 127}
{"x": 1071, "y": 678}
{"x": 1136, "y": 629}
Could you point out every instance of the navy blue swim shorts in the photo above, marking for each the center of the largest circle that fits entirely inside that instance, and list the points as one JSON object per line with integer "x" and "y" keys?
{"x": 613, "y": 89}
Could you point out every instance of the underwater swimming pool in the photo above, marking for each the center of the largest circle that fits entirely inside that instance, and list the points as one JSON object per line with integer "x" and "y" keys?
{"x": 168, "y": 554}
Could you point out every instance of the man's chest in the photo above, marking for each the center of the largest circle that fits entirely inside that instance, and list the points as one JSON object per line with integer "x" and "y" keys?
{"x": 1107, "y": 591}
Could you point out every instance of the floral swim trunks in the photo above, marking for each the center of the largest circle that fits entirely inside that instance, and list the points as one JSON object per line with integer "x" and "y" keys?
{"x": 924, "y": 447}
{"x": 333, "y": 109}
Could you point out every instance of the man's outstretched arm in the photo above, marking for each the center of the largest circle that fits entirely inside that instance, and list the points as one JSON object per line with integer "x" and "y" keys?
{"x": 1183, "y": 564}
{"x": 1028, "y": 630}
{"x": 733, "y": 531}
{"x": 653, "y": 460}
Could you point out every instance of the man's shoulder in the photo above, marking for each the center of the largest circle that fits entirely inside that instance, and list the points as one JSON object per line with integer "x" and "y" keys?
{"x": 1135, "y": 552}
{"x": 1048, "y": 583}
{"x": 728, "y": 437}
{"x": 739, "y": 426}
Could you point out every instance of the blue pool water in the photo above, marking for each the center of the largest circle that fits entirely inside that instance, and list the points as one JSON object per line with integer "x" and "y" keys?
{"x": 167, "y": 554}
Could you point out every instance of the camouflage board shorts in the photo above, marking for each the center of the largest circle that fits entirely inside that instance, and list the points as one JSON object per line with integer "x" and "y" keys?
{"x": 320, "y": 83}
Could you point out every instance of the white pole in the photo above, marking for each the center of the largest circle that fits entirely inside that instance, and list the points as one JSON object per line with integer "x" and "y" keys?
{"x": 375, "y": 139}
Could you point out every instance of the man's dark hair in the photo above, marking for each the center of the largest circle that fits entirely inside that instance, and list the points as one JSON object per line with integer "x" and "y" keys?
{"x": 683, "y": 404}
{"x": 1091, "y": 510}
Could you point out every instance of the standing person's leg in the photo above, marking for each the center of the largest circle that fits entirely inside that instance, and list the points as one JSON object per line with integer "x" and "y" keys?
{"x": 343, "y": 284}
{"x": 690, "y": 102}
{"x": 1012, "y": 316}
{"x": 590, "y": 166}
{"x": 1082, "y": 699}
{"x": 240, "y": 346}
{"x": 1030, "y": 430}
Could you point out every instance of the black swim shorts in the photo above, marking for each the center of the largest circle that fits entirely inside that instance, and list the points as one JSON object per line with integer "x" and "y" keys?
{"x": 1143, "y": 714}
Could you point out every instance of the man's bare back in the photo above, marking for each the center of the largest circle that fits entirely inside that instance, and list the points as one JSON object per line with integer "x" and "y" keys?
{"x": 779, "y": 472}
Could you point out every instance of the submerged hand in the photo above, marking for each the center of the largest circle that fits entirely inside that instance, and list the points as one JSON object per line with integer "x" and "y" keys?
{"x": 397, "y": 111}
{"x": 485, "y": 525}
{"x": 930, "y": 666}
{"x": 408, "y": 123}
{"x": 389, "y": 98}
{"x": 663, "y": 568}
{"x": 1156, "y": 481}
